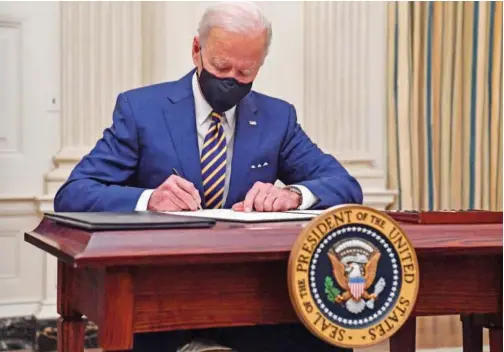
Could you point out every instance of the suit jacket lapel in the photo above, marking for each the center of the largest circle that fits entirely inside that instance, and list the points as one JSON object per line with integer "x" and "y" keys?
{"x": 180, "y": 117}
{"x": 246, "y": 143}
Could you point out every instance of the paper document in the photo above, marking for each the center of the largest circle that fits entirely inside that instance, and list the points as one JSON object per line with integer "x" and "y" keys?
{"x": 254, "y": 216}
{"x": 312, "y": 212}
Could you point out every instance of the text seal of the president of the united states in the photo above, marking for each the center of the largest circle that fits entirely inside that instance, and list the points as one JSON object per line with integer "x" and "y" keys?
{"x": 353, "y": 276}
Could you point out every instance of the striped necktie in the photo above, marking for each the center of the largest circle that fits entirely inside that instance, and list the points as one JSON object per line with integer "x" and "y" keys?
{"x": 213, "y": 163}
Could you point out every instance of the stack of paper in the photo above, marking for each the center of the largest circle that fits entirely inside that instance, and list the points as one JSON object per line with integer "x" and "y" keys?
{"x": 254, "y": 216}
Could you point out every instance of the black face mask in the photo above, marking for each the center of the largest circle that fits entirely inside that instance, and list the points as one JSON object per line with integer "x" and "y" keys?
{"x": 221, "y": 93}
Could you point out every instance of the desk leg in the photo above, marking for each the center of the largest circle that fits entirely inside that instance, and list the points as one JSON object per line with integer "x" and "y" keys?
{"x": 70, "y": 334}
{"x": 495, "y": 339}
{"x": 472, "y": 334}
{"x": 405, "y": 339}
{"x": 116, "y": 330}
{"x": 70, "y": 325}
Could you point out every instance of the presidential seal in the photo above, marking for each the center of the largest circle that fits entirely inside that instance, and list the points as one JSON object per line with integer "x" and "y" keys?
{"x": 353, "y": 276}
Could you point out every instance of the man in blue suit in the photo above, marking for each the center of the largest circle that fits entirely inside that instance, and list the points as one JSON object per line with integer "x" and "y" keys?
{"x": 227, "y": 144}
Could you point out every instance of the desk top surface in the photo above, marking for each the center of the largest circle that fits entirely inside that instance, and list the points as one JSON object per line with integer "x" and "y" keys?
{"x": 234, "y": 242}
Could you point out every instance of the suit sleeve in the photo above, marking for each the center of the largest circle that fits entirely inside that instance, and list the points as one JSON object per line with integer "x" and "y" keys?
{"x": 303, "y": 163}
{"x": 100, "y": 181}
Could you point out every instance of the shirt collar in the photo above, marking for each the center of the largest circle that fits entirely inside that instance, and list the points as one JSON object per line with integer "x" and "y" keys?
{"x": 203, "y": 109}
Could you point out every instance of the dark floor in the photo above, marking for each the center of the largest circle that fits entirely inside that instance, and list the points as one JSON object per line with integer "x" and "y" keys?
{"x": 30, "y": 334}
{"x": 434, "y": 334}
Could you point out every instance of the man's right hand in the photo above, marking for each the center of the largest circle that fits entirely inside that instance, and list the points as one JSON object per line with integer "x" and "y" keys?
{"x": 174, "y": 194}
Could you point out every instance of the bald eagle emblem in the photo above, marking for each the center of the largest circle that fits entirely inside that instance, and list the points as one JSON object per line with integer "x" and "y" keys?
{"x": 354, "y": 264}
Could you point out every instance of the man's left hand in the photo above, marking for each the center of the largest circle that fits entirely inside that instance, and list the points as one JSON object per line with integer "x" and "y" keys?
{"x": 266, "y": 197}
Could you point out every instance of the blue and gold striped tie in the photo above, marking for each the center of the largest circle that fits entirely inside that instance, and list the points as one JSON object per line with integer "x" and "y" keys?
{"x": 213, "y": 163}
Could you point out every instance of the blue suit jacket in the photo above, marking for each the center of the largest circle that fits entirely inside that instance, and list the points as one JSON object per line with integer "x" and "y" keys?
{"x": 154, "y": 130}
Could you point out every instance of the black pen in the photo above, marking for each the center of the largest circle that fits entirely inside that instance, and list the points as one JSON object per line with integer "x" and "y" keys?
{"x": 177, "y": 173}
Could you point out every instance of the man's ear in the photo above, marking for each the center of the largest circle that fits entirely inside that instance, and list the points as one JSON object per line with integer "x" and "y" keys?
{"x": 196, "y": 53}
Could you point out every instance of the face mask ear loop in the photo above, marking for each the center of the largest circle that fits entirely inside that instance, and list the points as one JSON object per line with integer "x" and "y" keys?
{"x": 201, "y": 57}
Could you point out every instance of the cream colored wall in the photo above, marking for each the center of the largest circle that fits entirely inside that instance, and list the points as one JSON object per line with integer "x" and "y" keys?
{"x": 325, "y": 59}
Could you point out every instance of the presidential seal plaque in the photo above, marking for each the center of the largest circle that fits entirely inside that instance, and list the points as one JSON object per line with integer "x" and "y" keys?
{"x": 353, "y": 276}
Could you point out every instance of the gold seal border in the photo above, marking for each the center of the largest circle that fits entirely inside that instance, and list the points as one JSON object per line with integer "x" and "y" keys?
{"x": 292, "y": 283}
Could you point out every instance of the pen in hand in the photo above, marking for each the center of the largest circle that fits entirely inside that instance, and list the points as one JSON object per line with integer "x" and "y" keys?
{"x": 177, "y": 173}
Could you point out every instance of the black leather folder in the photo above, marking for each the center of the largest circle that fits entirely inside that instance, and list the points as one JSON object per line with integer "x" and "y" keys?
{"x": 100, "y": 221}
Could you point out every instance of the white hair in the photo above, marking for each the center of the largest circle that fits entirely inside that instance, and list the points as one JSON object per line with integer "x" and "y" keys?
{"x": 241, "y": 17}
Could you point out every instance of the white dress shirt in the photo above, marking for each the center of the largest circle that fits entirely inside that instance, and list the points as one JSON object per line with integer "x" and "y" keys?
{"x": 203, "y": 121}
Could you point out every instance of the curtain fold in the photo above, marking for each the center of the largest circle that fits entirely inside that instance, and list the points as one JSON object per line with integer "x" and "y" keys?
{"x": 445, "y": 104}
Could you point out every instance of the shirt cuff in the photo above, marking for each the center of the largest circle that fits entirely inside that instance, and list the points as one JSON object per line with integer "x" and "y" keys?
{"x": 308, "y": 197}
{"x": 143, "y": 200}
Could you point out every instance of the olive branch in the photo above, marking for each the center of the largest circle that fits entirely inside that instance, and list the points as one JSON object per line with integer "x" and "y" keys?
{"x": 331, "y": 291}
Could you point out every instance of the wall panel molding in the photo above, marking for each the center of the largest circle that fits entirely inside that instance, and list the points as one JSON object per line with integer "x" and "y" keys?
{"x": 17, "y": 205}
{"x": 10, "y": 95}
{"x": 24, "y": 291}
{"x": 21, "y": 276}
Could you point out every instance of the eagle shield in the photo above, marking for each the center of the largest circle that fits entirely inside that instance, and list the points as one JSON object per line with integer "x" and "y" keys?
{"x": 357, "y": 286}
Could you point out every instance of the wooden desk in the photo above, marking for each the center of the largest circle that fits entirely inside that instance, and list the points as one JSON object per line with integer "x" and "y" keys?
{"x": 142, "y": 281}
